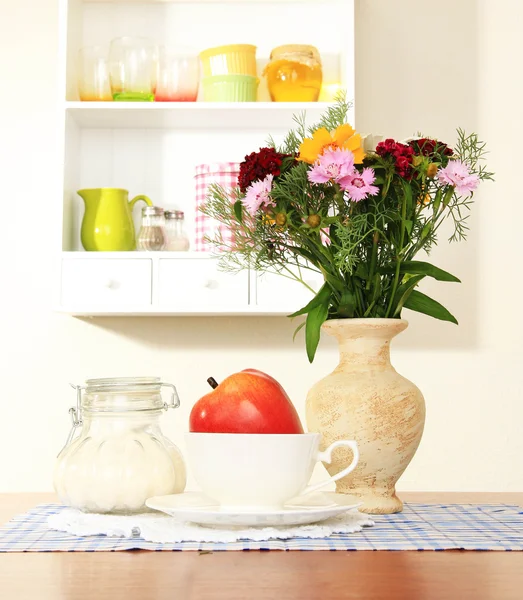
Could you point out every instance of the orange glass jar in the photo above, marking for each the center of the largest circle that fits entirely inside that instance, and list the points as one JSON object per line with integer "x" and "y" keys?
{"x": 294, "y": 73}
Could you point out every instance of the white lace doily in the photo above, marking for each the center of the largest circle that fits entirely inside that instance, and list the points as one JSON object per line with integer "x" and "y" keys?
{"x": 165, "y": 529}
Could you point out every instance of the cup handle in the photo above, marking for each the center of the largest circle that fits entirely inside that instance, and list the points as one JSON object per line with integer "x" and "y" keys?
{"x": 146, "y": 199}
{"x": 326, "y": 457}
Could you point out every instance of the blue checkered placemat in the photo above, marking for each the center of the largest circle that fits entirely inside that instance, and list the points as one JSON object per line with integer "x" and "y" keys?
{"x": 418, "y": 527}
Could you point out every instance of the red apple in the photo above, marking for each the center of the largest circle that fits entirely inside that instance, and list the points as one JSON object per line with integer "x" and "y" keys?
{"x": 245, "y": 402}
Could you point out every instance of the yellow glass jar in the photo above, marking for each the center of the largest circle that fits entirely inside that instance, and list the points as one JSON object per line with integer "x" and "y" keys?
{"x": 294, "y": 73}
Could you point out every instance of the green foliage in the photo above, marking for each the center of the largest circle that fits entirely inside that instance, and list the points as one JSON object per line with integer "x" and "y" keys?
{"x": 423, "y": 304}
{"x": 323, "y": 296}
{"x": 315, "y": 319}
{"x": 365, "y": 251}
{"x": 334, "y": 115}
{"x": 416, "y": 267}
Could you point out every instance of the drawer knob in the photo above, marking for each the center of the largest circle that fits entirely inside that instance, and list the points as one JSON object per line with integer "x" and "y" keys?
{"x": 112, "y": 285}
{"x": 211, "y": 284}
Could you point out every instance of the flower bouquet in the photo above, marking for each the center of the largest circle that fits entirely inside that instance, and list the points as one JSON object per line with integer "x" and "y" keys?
{"x": 319, "y": 201}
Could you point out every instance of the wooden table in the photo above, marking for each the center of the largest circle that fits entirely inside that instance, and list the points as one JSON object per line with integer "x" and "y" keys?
{"x": 143, "y": 575}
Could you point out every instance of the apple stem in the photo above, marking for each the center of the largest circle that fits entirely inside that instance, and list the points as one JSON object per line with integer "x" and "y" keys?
{"x": 212, "y": 382}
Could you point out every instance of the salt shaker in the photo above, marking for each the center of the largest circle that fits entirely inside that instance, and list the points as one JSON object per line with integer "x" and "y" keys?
{"x": 177, "y": 239}
{"x": 152, "y": 232}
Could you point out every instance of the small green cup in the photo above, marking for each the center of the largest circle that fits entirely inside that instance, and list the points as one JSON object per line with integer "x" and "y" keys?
{"x": 230, "y": 88}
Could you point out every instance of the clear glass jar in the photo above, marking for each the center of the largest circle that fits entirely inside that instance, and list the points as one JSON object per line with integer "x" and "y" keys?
{"x": 120, "y": 458}
{"x": 152, "y": 231}
{"x": 178, "y": 76}
{"x": 294, "y": 73}
{"x": 176, "y": 238}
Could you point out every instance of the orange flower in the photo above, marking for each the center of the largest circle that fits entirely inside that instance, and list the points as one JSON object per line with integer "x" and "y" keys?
{"x": 343, "y": 138}
{"x": 432, "y": 170}
{"x": 424, "y": 198}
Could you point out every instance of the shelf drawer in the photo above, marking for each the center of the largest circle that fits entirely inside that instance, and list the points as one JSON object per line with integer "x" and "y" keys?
{"x": 273, "y": 290}
{"x": 106, "y": 282}
{"x": 196, "y": 283}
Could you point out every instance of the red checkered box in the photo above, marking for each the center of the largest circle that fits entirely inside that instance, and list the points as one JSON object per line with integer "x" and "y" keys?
{"x": 224, "y": 174}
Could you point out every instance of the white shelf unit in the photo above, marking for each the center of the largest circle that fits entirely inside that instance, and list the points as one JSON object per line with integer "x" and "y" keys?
{"x": 265, "y": 116}
{"x": 167, "y": 283}
{"x": 153, "y": 148}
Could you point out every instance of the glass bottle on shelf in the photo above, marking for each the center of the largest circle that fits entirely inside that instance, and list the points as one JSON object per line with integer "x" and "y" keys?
{"x": 294, "y": 73}
{"x": 176, "y": 238}
{"x": 152, "y": 232}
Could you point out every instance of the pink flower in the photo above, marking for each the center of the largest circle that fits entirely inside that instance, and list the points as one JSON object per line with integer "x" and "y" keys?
{"x": 457, "y": 174}
{"x": 332, "y": 165}
{"x": 258, "y": 195}
{"x": 359, "y": 185}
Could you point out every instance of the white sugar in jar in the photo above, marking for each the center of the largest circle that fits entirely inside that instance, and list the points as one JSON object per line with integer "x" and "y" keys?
{"x": 120, "y": 457}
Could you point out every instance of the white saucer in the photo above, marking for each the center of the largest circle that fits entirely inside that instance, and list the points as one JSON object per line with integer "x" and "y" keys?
{"x": 198, "y": 508}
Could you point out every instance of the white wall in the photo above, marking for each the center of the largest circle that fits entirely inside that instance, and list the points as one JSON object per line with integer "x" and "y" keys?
{"x": 420, "y": 65}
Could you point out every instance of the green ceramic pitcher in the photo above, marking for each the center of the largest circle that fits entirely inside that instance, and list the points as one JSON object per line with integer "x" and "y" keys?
{"x": 108, "y": 225}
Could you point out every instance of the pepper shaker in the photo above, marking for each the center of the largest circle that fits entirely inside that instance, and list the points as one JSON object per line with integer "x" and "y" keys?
{"x": 152, "y": 232}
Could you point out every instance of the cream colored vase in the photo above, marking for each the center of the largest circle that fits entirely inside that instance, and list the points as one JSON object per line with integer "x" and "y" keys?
{"x": 366, "y": 400}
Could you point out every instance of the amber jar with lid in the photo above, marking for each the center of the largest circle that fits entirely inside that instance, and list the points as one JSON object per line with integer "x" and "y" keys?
{"x": 294, "y": 73}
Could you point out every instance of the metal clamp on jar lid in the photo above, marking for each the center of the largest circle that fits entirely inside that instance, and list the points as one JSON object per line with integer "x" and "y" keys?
{"x": 120, "y": 395}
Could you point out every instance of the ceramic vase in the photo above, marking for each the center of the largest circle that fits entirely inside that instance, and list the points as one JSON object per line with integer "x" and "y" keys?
{"x": 366, "y": 400}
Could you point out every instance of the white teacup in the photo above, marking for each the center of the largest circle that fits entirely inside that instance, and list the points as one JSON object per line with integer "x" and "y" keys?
{"x": 259, "y": 471}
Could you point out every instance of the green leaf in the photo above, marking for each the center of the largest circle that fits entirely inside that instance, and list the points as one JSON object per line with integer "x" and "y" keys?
{"x": 238, "y": 208}
{"x": 426, "y": 230}
{"x": 361, "y": 271}
{"x": 417, "y": 267}
{"x": 304, "y": 253}
{"x": 407, "y": 191}
{"x": 437, "y": 201}
{"x": 333, "y": 281}
{"x": 404, "y": 291}
{"x": 377, "y": 288}
{"x": 408, "y": 227}
{"x": 381, "y": 311}
{"x": 321, "y": 297}
{"x": 347, "y": 305}
{"x": 448, "y": 197}
{"x": 287, "y": 161}
{"x": 315, "y": 319}
{"x": 298, "y": 329}
{"x": 423, "y": 304}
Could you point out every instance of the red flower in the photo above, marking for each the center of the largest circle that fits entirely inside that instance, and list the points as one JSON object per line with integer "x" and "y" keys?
{"x": 403, "y": 166}
{"x": 401, "y": 155}
{"x": 431, "y": 148}
{"x": 258, "y": 165}
{"x": 386, "y": 147}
